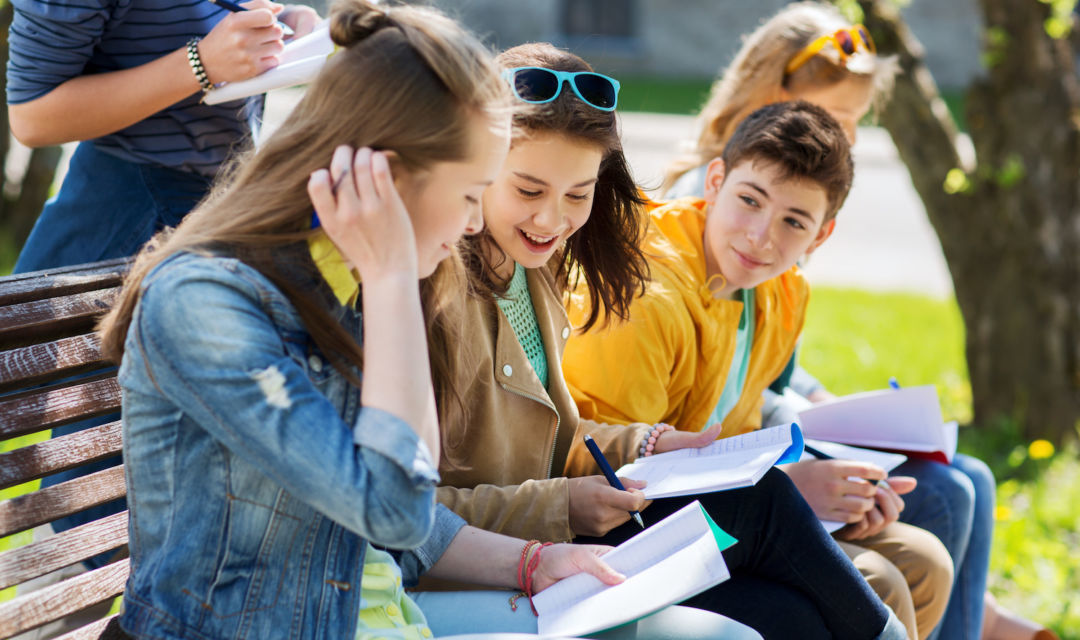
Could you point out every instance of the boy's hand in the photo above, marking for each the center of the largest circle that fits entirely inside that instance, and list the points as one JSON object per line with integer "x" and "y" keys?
{"x": 596, "y": 507}
{"x": 840, "y": 490}
{"x": 889, "y": 505}
{"x": 300, "y": 17}
{"x": 674, "y": 440}
{"x": 564, "y": 560}
{"x": 244, "y": 44}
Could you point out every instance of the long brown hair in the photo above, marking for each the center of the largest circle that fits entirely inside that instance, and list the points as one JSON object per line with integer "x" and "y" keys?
{"x": 757, "y": 75}
{"x": 405, "y": 79}
{"x": 605, "y": 252}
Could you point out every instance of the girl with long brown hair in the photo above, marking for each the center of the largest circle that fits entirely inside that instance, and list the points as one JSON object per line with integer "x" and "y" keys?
{"x": 564, "y": 209}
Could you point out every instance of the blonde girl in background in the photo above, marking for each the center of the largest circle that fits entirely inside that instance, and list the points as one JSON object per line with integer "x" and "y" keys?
{"x": 810, "y": 51}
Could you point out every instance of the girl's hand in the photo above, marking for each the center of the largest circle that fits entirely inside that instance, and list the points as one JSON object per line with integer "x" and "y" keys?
{"x": 840, "y": 490}
{"x": 244, "y": 44}
{"x": 564, "y": 560}
{"x": 596, "y": 507}
{"x": 363, "y": 215}
{"x": 889, "y": 505}
{"x": 301, "y": 18}
{"x": 673, "y": 440}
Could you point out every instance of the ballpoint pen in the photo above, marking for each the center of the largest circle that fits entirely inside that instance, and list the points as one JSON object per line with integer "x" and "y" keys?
{"x": 232, "y": 6}
{"x": 821, "y": 455}
{"x": 612, "y": 479}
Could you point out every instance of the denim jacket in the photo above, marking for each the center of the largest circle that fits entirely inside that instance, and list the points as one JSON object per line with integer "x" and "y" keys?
{"x": 255, "y": 477}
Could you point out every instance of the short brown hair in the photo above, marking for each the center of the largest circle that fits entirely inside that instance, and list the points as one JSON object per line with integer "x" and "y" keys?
{"x": 803, "y": 141}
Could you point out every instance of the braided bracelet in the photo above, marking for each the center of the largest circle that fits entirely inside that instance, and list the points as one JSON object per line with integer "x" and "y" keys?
{"x": 648, "y": 443}
{"x": 197, "y": 65}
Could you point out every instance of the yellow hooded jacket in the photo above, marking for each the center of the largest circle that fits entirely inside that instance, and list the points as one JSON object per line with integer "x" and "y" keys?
{"x": 669, "y": 361}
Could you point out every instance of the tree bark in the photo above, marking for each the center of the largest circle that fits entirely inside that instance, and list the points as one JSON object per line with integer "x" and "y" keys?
{"x": 19, "y": 212}
{"x": 1009, "y": 223}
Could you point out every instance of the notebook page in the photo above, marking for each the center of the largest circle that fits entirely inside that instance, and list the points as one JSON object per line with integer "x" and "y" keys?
{"x": 906, "y": 419}
{"x": 666, "y": 563}
{"x": 760, "y": 438}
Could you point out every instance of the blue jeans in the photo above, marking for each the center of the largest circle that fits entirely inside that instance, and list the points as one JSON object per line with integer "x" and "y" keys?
{"x": 106, "y": 208}
{"x": 461, "y": 612}
{"x": 956, "y": 503}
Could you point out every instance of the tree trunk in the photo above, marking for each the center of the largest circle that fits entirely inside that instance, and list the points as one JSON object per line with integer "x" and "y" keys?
{"x": 1009, "y": 222}
{"x": 19, "y": 212}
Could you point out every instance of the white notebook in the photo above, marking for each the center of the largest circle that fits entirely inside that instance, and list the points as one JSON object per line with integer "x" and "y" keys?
{"x": 667, "y": 563}
{"x": 728, "y": 463}
{"x": 300, "y": 63}
{"x": 907, "y": 420}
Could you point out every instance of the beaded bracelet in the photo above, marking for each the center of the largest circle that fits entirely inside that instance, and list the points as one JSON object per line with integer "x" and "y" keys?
{"x": 648, "y": 443}
{"x": 197, "y": 66}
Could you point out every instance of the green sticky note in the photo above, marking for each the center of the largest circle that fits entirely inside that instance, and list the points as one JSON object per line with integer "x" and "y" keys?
{"x": 723, "y": 538}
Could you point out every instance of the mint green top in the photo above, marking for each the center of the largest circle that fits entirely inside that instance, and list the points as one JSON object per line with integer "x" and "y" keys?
{"x": 740, "y": 362}
{"x": 517, "y": 306}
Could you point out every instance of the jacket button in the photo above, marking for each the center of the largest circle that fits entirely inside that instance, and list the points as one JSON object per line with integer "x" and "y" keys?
{"x": 315, "y": 363}
{"x": 508, "y": 370}
{"x": 565, "y": 333}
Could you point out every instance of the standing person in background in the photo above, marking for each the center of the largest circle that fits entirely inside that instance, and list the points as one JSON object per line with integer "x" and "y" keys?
{"x": 809, "y": 51}
{"x": 120, "y": 78}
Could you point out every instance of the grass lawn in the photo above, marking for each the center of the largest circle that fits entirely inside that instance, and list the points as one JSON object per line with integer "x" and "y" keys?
{"x": 856, "y": 340}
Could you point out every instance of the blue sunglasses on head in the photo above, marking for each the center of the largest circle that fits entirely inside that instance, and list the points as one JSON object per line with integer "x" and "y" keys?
{"x": 538, "y": 85}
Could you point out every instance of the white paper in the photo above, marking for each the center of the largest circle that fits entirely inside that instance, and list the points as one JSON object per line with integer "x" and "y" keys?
{"x": 300, "y": 63}
{"x": 907, "y": 419}
{"x": 885, "y": 460}
{"x": 728, "y": 463}
{"x": 670, "y": 561}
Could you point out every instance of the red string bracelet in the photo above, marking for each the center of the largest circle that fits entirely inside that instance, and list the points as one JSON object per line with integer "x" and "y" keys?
{"x": 521, "y": 573}
{"x": 534, "y": 562}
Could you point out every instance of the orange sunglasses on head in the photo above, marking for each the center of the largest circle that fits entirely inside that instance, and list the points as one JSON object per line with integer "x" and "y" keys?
{"x": 846, "y": 41}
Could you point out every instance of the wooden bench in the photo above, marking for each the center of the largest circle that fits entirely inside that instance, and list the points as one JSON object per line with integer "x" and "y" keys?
{"x": 51, "y": 374}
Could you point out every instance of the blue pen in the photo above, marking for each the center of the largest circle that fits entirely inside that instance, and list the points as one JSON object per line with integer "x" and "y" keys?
{"x": 893, "y": 384}
{"x": 612, "y": 479}
{"x": 232, "y": 6}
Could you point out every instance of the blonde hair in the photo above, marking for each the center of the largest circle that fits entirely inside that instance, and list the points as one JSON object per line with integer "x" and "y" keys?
{"x": 406, "y": 79}
{"x": 756, "y": 77}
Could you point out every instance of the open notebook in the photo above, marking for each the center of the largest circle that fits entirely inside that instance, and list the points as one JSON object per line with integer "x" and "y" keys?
{"x": 300, "y": 63}
{"x": 676, "y": 558}
{"x": 728, "y": 463}
{"x": 906, "y": 420}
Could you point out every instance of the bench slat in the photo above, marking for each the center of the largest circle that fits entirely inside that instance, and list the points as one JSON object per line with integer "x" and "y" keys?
{"x": 59, "y": 454}
{"x": 37, "y": 285}
{"x": 37, "y": 363}
{"x": 56, "y": 601}
{"x": 62, "y": 549}
{"x": 50, "y": 503}
{"x": 46, "y": 408}
{"x": 104, "y": 629}
{"x": 45, "y": 319}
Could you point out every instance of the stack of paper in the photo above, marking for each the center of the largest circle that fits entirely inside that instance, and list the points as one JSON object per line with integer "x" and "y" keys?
{"x": 906, "y": 420}
{"x": 300, "y": 63}
{"x": 728, "y": 463}
{"x": 667, "y": 563}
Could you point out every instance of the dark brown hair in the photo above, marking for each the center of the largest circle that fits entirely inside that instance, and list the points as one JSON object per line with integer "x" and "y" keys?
{"x": 800, "y": 139}
{"x": 605, "y": 251}
{"x": 405, "y": 79}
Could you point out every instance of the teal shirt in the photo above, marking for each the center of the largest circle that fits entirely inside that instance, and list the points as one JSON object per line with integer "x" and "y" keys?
{"x": 740, "y": 363}
{"x": 517, "y": 306}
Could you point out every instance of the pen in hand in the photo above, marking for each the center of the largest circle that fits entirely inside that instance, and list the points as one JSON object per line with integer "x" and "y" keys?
{"x": 821, "y": 455}
{"x": 232, "y": 6}
{"x": 612, "y": 479}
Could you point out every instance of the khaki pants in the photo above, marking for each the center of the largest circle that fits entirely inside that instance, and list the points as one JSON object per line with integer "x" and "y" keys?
{"x": 910, "y": 570}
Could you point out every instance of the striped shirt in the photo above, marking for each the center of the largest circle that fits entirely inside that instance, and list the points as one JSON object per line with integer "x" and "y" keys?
{"x": 52, "y": 41}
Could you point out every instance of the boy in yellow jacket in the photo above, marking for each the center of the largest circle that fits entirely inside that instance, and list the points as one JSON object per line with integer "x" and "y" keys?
{"x": 722, "y": 315}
